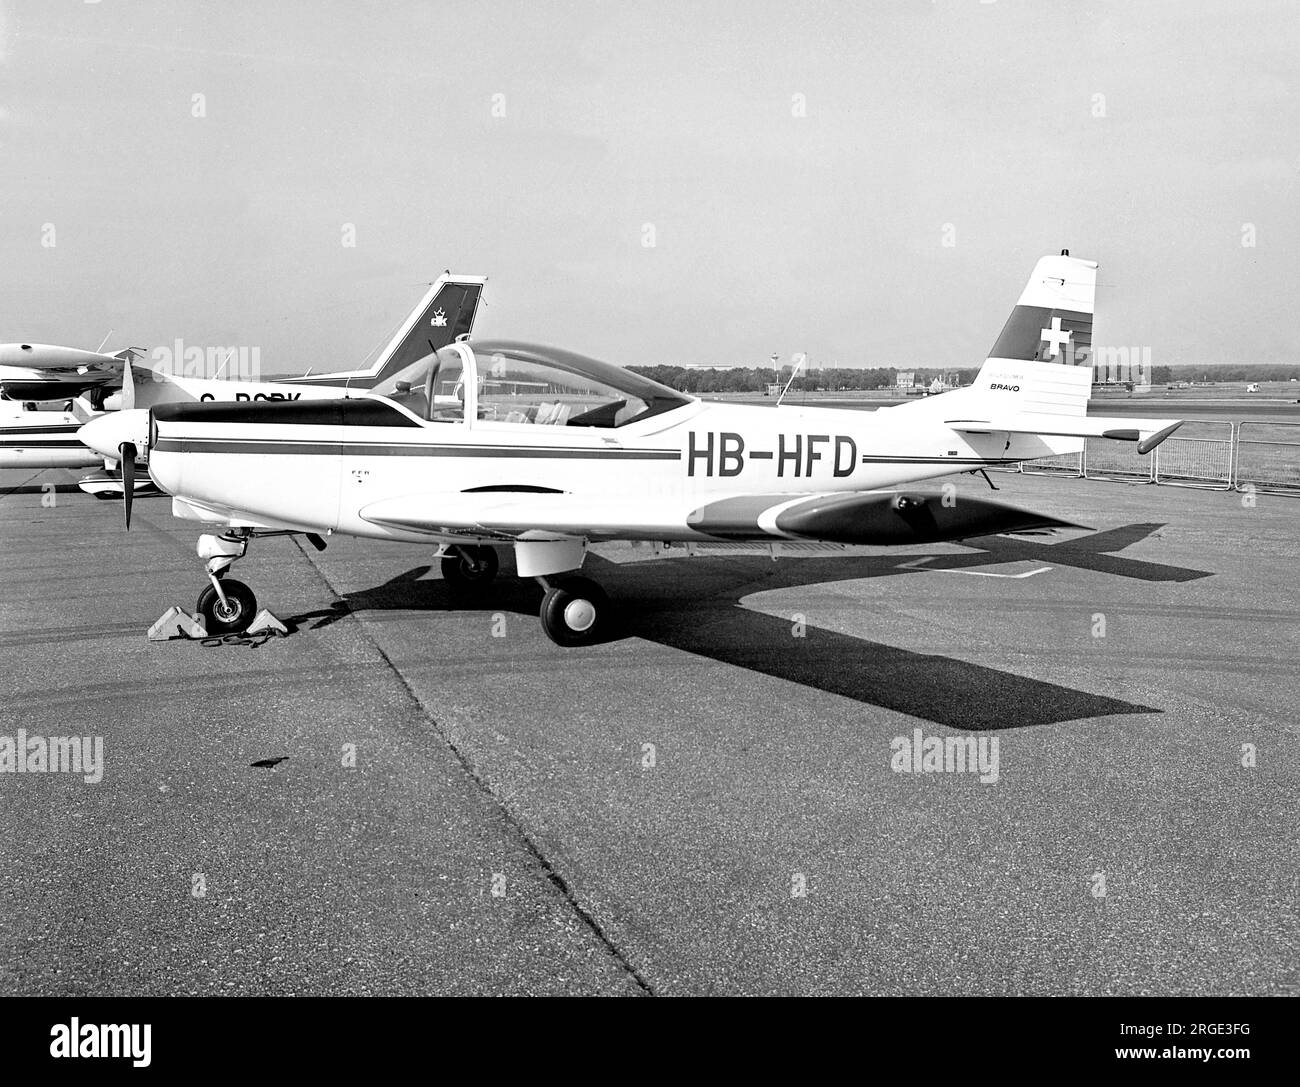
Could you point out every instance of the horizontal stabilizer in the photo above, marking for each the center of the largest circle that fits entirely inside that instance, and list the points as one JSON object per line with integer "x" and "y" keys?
{"x": 1148, "y": 433}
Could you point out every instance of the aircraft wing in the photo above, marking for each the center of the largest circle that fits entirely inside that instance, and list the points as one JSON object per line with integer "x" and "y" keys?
{"x": 60, "y": 362}
{"x": 1148, "y": 433}
{"x": 38, "y": 371}
{"x": 865, "y": 517}
{"x": 518, "y": 513}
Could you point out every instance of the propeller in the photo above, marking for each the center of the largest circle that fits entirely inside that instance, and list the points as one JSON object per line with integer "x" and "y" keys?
{"x": 127, "y": 464}
{"x": 128, "y": 380}
{"x": 119, "y": 436}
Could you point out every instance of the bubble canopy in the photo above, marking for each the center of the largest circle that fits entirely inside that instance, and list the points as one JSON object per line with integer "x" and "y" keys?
{"x": 509, "y": 381}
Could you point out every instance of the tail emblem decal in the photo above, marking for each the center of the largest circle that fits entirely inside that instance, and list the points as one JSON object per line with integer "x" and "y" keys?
{"x": 1055, "y": 338}
{"x": 439, "y": 319}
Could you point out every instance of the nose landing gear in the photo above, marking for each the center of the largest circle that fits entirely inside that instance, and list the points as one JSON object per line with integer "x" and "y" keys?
{"x": 227, "y": 606}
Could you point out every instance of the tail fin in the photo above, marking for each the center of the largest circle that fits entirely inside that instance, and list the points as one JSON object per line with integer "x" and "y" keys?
{"x": 1039, "y": 363}
{"x": 446, "y": 312}
{"x": 1052, "y": 322}
{"x": 1038, "y": 378}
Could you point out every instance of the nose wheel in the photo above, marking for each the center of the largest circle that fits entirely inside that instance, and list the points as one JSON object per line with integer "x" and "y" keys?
{"x": 226, "y": 606}
{"x": 234, "y": 614}
{"x": 575, "y": 611}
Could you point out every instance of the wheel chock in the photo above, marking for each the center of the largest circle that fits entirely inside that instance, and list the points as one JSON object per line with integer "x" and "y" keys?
{"x": 266, "y": 623}
{"x": 174, "y": 623}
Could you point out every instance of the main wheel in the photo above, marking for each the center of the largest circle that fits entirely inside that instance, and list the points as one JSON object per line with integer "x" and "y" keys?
{"x": 470, "y": 567}
{"x": 575, "y": 611}
{"x": 233, "y": 617}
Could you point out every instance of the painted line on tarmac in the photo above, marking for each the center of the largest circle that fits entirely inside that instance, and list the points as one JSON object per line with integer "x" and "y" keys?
{"x": 918, "y": 564}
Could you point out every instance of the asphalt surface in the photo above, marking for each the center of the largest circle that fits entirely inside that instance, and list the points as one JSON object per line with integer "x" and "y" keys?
{"x": 704, "y": 804}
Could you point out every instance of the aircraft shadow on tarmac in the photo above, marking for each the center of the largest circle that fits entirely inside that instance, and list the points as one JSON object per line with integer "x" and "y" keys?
{"x": 695, "y": 606}
{"x": 40, "y": 488}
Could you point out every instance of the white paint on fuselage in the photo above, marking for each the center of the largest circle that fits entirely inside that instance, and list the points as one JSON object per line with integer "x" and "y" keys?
{"x": 153, "y": 388}
{"x": 326, "y": 491}
{"x": 26, "y": 437}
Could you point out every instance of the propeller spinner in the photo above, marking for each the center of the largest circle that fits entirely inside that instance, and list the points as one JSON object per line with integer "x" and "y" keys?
{"x": 119, "y": 435}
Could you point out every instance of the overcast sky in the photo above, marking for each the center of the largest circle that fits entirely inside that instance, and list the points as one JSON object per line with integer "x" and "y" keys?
{"x": 795, "y": 163}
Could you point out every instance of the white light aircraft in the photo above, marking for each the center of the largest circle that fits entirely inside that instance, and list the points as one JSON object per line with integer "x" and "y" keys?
{"x": 43, "y": 439}
{"x": 493, "y": 444}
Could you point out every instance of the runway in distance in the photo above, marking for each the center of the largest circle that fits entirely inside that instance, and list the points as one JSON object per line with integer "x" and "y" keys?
{"x": 499, "y": 443}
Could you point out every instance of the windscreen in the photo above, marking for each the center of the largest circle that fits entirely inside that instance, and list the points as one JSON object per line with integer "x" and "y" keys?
{"x": 546, "y": 386}
{"x": 431, "y": 387}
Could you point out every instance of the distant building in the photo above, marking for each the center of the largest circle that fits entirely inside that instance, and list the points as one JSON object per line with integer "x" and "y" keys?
{"x": 905, "y": 379}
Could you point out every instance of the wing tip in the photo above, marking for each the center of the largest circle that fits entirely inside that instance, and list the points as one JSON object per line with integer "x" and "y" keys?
{"x": 1149, "y": 443}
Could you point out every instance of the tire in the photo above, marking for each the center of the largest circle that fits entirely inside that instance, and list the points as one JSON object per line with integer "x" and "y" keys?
{"x": 243, "y": 608}
{"x": 575, "y": 612}
{"x": 470, "y": 568}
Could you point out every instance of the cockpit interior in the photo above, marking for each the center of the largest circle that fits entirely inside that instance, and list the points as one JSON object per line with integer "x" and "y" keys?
{"x": 507, "y": 381}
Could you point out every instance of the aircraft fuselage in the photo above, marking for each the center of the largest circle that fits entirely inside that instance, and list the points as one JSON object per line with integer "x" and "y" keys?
{"x": 324, "y": 476}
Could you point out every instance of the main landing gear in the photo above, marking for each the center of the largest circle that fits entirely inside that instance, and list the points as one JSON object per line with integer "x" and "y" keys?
{"x": 575, "y": 610}
{"x": 466, "y": 568}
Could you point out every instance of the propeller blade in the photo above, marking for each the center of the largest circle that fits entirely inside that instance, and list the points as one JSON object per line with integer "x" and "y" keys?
{"x": 127, "y": 463}
{"x": 128, "y": 384}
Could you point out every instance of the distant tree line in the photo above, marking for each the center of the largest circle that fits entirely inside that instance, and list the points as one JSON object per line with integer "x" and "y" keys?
{"x": 756, "y": 379}
{"x": 1251, "y": 371}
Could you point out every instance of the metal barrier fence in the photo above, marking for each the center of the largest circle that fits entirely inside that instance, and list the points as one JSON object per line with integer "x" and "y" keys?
{"x": 1201, "y": 458}
{"x": 1069, "y": 463}
{"x": 1107, "y": 459}
{"x": 1216, "y": 454}
{"x": 1267, "y": 456}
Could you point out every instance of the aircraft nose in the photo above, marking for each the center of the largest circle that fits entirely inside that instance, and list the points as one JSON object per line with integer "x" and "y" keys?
{"x": 105, "y": 434}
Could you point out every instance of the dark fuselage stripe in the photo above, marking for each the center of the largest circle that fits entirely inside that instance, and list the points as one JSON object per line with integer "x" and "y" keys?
{"x": 941, "y": 460}
{"x": 352, "y": 449}
{"x": 257, "y": 446}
